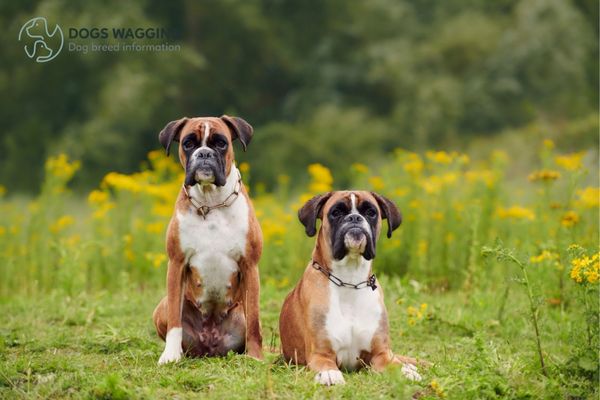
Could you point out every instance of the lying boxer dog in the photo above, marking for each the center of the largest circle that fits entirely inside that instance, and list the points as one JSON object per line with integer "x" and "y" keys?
{"x": 335, "y": 316}
{"x": 214, "y": 243}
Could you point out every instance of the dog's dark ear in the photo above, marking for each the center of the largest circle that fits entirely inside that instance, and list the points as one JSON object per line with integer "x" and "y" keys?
{"x": 171, "y": 133}
{"x": 310, "y": 211}
{"x": 390, "y": 212}
{"x": 240, "y": 129}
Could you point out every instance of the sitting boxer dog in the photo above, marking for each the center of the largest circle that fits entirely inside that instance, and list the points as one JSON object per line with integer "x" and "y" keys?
{"x": 214, "y": 243}
{"x": 335, "y": 316}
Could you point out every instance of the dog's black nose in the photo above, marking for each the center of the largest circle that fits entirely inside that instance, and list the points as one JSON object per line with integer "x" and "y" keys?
{"x": 353, "y": 218}
{"x": 205, "y": 154}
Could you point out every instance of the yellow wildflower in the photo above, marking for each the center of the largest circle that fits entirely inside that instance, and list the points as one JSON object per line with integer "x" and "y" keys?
{"x": 360, "y": 168}
{"x": 543, "y": 256}
{"x": 569, "y": 219}
{"x": 548, "y": 144}
{"x": 155, "y": 227}
{"x": 2, "y": 231}
{"x": 585, "y": 269}
{"x": 422, "y": 247}
{"x": 244, "y": 167}
{"x": 544, "y": 175}
{"x": 515, "y": 212}
{"x": 589, "y": 197}
{"x": 414, "y": 165}
{"x": 435, "y": 386}
{"x": 377, "y": 183}
{"x": 321, "y": 179}
{"x": 61, "y": 223}
{"x": 97, "y": 197}
{"x": 157, "y": 259}
{"x": 2, "y": 190}
{"x": 570, "y": 162}
{"x": 440, "y": 157}
{"x": 61, "y": 167}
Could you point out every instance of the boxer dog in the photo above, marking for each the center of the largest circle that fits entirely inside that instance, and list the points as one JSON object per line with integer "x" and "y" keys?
{"x": 214, "y": 243}
{"x": 335, "y": 317}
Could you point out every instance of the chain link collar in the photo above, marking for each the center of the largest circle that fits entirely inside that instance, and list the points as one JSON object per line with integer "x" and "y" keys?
{"x": 203, "y": 209}
{"x": 370, "y": 282}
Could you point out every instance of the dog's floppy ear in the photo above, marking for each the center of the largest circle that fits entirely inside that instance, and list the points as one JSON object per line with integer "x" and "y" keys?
{"x": 310, "y": 211}
{"x": 389, "y": 211}
{"x": 240, "y": 129}
{"x": 171, "y": 133}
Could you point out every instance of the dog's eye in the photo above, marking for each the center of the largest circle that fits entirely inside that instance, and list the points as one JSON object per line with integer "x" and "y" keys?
{"x": 371, "y": 213}
{"x": 188, "y": 144}
{"x": 337, "y": 213}
{"x": 221, "y": 144}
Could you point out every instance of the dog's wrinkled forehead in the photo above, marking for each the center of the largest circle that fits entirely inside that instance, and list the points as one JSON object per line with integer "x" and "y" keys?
{"x": 202, "y": 128}
{"x": 352, "y": 201}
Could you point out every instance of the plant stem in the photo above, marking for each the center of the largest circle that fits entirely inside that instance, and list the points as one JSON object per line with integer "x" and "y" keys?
{"x": 534, "y": 310}
{"x": 503, "y": 302}
{"x": 587, "y": 313}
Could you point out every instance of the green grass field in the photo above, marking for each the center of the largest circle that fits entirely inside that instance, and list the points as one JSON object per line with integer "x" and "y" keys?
{"x": 486, "y": 278}
{"x": 104, "y": 346}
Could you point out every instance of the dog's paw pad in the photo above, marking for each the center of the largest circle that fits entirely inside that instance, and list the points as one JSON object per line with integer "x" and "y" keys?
{"x": 410, "y": 372}
{"x": 330, "y": 377}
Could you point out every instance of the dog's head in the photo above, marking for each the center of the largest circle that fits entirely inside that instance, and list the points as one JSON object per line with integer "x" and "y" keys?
{"x": 206, "y": 150}
{"x": 351, "y": 221}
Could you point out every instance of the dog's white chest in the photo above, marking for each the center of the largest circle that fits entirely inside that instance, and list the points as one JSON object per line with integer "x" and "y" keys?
{"x": 352, "y": 319}
{"x": 214, "y": 245}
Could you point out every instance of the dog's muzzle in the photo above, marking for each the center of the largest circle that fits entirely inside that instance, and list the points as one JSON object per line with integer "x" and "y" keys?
{"x": 204, "y": 167}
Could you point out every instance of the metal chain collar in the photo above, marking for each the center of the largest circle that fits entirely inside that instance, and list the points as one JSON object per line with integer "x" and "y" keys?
{"x": 370, "y": 282}
{"x": 203, "y": 209}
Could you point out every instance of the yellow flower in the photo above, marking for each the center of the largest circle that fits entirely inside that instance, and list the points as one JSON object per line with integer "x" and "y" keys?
{"x": 2, "y": 231}
{"x": 569, "y": 219}
{"x": 377, "y": 183}
{"x": 61, "y": 167}
{"x": 2, "y": 190}
{"x": 61, "y": 223}
{"x": 488, "y": 177}
{"x": 360, "y": 168}
{"x": 101, "y": 211}
{"x": 321, "y": 179}
{"x": 570, "y": 162}
{"x": 515, "y": 212}
{"x": 544, "y": 175}
{"x": 543, "y": 256}
{"x": 244, "y": 167}
{"x": 440, "y": 157}
{"x": 585, "y": 269}
{"x": 414, "y": 165}
{"x": 157, "y": 259}
{"x": 548, "y": 144}
{"x": 435, "y": 386}
{"x": 589, "y": 197}
{"x": 97, "y": 197}
{"x": 155, "y": 227}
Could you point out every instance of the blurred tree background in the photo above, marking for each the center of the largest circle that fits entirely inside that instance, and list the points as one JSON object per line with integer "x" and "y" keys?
{"x": 334, "y": 81}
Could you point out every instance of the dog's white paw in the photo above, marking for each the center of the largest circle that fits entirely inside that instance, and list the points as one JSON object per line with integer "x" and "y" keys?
{"x": 173, "y": 351}
{"x": 410, "y": 372}
{"x": 169, "y": 355}
{"x": 330, "y": 377}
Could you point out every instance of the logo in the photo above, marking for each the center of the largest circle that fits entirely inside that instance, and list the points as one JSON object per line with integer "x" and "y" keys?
{"x": 39, "y": 44}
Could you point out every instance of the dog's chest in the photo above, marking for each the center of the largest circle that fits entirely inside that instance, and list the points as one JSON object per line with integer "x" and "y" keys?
{"x": 214, "y": 245}
{"x": 352, "y": 320}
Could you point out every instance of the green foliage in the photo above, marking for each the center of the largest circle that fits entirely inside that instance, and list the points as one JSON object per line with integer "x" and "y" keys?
{"x": 348, "y": 80}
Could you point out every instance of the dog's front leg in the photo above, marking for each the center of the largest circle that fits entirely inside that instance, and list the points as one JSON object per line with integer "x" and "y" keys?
{"x": 323, "y": 361}
{"x": 251, "y": 299}
{"x": 173, "y": 350}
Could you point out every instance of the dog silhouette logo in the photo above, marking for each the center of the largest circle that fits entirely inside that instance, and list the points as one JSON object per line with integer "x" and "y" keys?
{"x": 40, "y": 44}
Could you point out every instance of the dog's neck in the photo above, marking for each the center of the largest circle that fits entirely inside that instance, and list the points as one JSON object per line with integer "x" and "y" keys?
{"x": 352, "y": 268}
{"x": 210, "y": 194}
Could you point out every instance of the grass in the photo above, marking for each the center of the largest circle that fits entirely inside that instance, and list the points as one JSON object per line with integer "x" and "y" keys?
{"x": 104, "y": 345}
